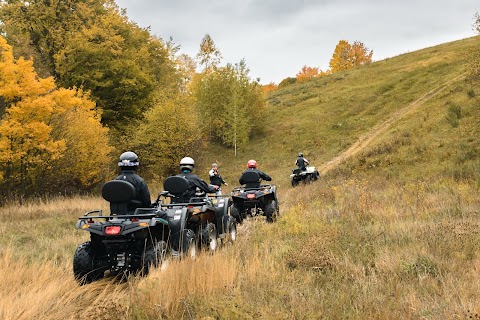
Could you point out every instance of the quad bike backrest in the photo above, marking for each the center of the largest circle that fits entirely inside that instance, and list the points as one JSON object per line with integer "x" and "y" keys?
{"x": 176, "y": 185}
{"x": 119, "y": 193}
{"x": 251, "y": 179}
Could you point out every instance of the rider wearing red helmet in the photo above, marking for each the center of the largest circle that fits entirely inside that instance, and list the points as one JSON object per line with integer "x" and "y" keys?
{"x": 252, "y": 166}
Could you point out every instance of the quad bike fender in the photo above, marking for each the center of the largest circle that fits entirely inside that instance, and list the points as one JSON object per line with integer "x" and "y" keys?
{"x": 221, "y": 214}
{"x": 177, "y": 219}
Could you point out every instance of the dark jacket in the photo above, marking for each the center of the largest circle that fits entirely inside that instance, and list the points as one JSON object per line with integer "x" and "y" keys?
{"x": 256, "y": 184}
{"x": 216, "y": 178}
{"x": 195, "y": 182}
{"x": 302, "y": 163}
{"x": 142, "y": 195}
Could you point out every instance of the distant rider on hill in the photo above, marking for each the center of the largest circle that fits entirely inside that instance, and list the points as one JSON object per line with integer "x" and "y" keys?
{"x": 302, "y": 162}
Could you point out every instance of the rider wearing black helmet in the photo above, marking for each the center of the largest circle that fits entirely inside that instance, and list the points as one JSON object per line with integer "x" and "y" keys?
{"x": 128, "y": 163}
{"x": 301, "y": 162}
{"x": 186, "y": 166}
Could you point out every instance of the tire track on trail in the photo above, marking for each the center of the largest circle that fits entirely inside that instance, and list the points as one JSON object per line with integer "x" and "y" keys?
{"x": 365, "y": 139}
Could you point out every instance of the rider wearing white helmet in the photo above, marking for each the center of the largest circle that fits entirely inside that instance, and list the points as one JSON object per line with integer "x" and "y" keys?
{"x": 186, "y": 167}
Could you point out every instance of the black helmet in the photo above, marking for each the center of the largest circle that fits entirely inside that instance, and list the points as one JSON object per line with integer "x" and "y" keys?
{"x": 128, "y": 160}
{"x": 300, "y": 154}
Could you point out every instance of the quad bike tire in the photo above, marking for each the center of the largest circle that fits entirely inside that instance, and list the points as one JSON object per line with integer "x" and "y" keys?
{"x": 209, "y": 237}
{"x": 154, "y": 256}
{"x": 189, "y": 244}
{"x": 294, "y": 182}
{"x": 232, "y": 229}
{"x": 84, "y": 268}
{"x": 271, "y": 211}
{"x": 235, "y": 212}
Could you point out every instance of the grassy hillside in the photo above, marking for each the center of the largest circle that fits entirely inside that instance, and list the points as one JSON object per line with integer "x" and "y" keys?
{"x": 390, "y": 232}
{"x": 325, "y": 116}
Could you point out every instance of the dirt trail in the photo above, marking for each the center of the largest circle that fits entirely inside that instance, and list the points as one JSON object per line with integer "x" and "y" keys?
{"x": 380, "y": 128}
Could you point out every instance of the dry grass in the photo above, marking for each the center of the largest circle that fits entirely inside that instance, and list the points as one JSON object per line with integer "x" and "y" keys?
{"x": 350, "y": 249}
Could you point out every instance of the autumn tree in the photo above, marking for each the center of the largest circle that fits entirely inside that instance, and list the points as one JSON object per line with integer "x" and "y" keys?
{"x": 307, "y": 73}
{"x": 209, "y": 55}
{"x": 91, "y": 44}
{"x": 32, "y": 141}
{"x": 170, "y": 132}
{"x": 269, "y": 87}
{"x": 40, "y": 29}
{"x": 121, "y": 64}
{"x": 230, "y": 104}
{"x": 347, "y": 56}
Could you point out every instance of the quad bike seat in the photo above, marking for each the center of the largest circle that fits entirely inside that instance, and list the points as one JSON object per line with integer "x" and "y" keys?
{"x": 296, "y": 171}
{"x": 120, "y": 194}
{"x": 176, "y": 186}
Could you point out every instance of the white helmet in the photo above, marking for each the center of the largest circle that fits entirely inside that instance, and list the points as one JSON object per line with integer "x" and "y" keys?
{"x": 187, "y": 163}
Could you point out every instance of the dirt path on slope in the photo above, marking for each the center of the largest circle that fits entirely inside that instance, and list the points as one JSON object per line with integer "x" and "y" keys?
{"x": 380, "y": 128}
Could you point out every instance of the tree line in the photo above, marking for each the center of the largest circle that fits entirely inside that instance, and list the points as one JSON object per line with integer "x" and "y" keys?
{"x": 81, "y": 83}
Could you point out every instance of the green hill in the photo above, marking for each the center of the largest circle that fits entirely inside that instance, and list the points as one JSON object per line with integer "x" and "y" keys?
{"x": 324, "y": 116}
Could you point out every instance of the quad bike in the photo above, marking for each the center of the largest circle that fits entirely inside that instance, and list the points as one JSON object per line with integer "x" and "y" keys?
{"x": 197, "y": 222}
{"x": 254, "y": 201}
{"x": 120, "y": 243}
{"x": 298, "y": 175}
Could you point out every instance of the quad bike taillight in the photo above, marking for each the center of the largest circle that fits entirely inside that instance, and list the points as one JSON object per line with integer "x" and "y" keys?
{"x": 112, "y": 230}
{"x": 251, "y": 196}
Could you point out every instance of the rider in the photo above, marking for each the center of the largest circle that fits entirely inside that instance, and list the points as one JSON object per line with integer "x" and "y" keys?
{"x": 252, "y": 166}
{"x": 186, "y": 167}
{"x": 128, "y": 163}
{"x": 301, "y": 162}
{"x": 216, "y": 179}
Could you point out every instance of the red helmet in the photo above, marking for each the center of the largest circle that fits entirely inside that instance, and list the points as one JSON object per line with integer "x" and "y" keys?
{"x": 252, "y": 164}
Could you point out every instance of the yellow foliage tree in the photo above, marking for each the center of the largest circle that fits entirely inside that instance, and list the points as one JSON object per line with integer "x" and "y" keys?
{"x": 31, "y": 142}
{"x": 307, "y": 73}
{"x": 347, "y": 56}
{"x": 269, "y": 87}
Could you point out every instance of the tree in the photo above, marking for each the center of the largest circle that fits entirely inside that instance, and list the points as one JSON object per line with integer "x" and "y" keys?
{"x": 229, "y": 103}
{"x": 307, "y": 73}
{"x": 269, "y": 87}
{"x": 121, "y": 64}
{"x": 31, "y": 144}
{"x": 347, "y": 56}
{"x": 40, "y": 29}
{"x": 287, "y": 81}
{"x": 170, "y": 132}
{"x": 209, "y": 56}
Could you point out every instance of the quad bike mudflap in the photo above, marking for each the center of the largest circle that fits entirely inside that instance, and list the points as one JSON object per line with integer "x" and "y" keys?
{"x": 120, "y": 243}
{"x": 195, "y": 223}
{"x": 260, "y": 200}
{"x": 305, "y": 176}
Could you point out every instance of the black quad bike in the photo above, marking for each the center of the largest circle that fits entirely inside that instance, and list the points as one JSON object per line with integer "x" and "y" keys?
{"x": 198, "y": 222}
{"x": 298, "y": 175}
{"x": 254, "y": 201}
{"x": 120, "y": 243}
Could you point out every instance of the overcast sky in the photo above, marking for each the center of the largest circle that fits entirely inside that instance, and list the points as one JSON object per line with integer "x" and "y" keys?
{"x": 278, "y": 37}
